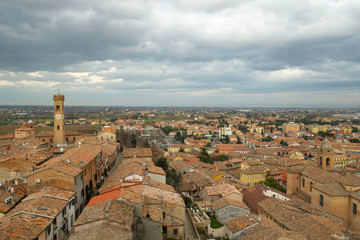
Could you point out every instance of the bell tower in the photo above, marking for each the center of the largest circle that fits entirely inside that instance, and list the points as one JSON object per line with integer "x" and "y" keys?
{"x": 59, "y": 130}
{"x": 326, "y": 156}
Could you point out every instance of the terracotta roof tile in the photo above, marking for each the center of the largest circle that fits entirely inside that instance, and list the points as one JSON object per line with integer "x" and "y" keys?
{"x": 241, "y": 222}
{"x": 23, "y": 226}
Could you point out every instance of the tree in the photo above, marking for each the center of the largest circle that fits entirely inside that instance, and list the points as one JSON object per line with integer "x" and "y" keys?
{"x": 133, "y": 140}
{"x": 181, "y": 150}
{"x": 173, "y": 178}
{"x": 355, "y": 130}
{"x": 225, "y": 140}
{"x": 268, "y": 139}
{"x": 325, "y": 134}
{"x": 162, "y": 162}
{"x": 204, "y": 156}
{"x": 223, "y": 158}
{"x": 284, "y": 143}
{"x": 354, "y": 140}
{"x": 124, "y": 138}
{"x": 271, "y": 182}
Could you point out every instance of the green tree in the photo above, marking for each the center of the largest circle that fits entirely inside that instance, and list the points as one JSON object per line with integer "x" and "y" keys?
{"x": 326, "y": 134}
{"x": 354, "y": 140}
{"x": 271, "y": 182}
{"x": 162, "y": 162}
{"x": 204, "y": 156}
{"x": 268, "y": 139}
{"x": 355, "y": 130}
{"x": 284, "y": 143}
{"x": 181, "y": 150}
{"x": 223, "y": 158}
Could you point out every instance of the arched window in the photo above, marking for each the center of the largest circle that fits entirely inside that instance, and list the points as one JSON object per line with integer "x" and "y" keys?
{"x": 320, "y": 161}
{"x": 58, "y": 127}
{"x": 328, "y": 162}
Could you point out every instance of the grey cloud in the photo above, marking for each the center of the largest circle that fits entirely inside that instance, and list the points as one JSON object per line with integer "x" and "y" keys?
{"x": 217, "y": 48}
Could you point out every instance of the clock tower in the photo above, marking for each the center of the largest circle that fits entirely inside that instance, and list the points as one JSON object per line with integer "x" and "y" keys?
{"x": 59, "y": 130}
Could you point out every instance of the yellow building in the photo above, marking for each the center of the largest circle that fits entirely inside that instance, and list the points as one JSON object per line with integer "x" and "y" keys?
{"x": 346, "y": 130}
{"x": 340, "y": 161}
{"x": 317, "y": 128}
{"x": 252, "y": 176}
{"x": 175, "y": 148}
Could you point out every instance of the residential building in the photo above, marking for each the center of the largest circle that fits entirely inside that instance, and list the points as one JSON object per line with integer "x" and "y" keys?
{"x": 228, "y": 209}
{"x": 106, "y": 136}
{"x": 48, "y": 214}
{"x": 175, "y": 148}
{"x": 235, "y": 227}
{"x": 213, "y": 193}
{"x": 338, "y": 195}
{"x": 252, "y": 176}
{"x": 78, "y": 170}
{"x": 110, "y": 219}
{"x": 291, "y": 127}
{"x": 12, "y": 191}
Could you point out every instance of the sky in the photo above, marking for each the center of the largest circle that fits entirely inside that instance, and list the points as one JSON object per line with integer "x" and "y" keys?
{"x": 233, "y": 53}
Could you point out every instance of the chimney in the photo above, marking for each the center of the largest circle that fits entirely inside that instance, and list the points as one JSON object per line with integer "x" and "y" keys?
{"x": 81, "y": 163}
{"x": 12, "y": 190}
{"x": 16, "y": 182}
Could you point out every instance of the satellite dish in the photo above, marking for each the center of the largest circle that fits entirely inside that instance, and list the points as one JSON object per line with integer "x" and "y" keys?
{"x": 58, "y": 145}
{"x": 61, "y": 149}
{"x": 35, "y": 147}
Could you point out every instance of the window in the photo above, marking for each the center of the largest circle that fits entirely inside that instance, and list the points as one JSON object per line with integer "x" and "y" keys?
{"x": 49, "y": 230}
{"x": 163, "y": 215}
{"x": 58, "y": 127}
{"x": 328, "y": 162}
{"x": 164, "y": 230}
{"x": 57, "y": 107}
{"x": 175, "y": 231}
{"x": 321, "y": 200}
{"x": 303, "y": 182}
{"x": 354, "y": 209}
{"x": 311, "y": 184}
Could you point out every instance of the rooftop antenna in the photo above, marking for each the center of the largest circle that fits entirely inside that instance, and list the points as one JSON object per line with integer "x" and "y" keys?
{"x": 58, "y": 91}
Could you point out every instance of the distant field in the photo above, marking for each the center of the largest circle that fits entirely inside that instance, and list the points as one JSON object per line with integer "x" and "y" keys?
{"x": 8, "y": 129}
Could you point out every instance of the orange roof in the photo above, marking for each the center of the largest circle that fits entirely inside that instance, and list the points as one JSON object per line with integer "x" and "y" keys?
{"x": 106, "y": 196}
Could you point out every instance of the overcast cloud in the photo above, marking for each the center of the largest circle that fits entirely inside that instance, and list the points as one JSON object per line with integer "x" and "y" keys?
{"x": 181, "y": 52}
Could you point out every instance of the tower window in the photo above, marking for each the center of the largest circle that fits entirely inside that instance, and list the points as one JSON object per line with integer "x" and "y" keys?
{"x": 321, "y": 200}
{"x": 58, "y": 127}
{"x": 354, "y": 208}
{"x": 57, "y": 107}
{"x": 303, "y": 182}
{"x": 328, "y": 162}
